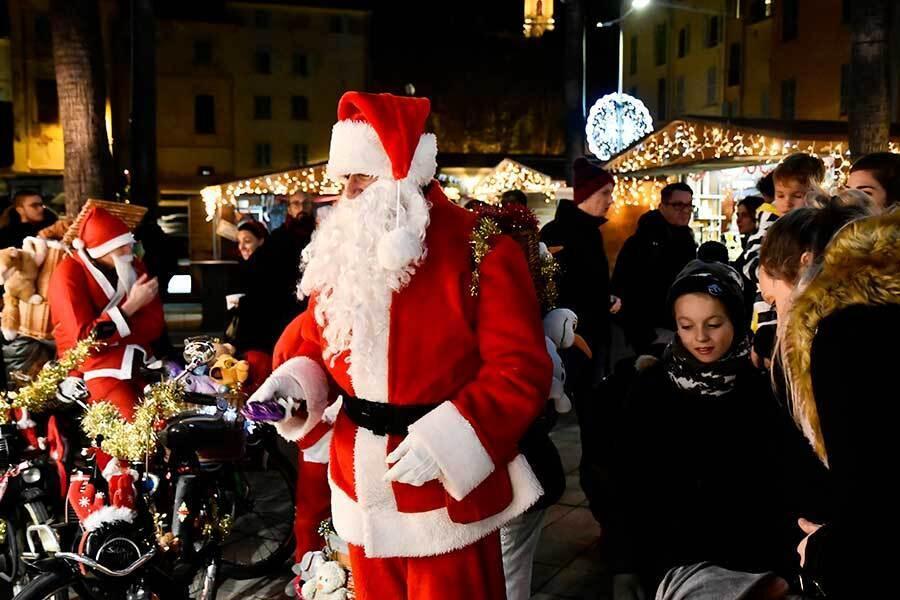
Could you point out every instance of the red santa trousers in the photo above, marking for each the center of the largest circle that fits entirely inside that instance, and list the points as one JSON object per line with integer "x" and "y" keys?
{"x": 313, "y": 505}
{"x": 471, "y": 573}
{"x": 122, "y": 393}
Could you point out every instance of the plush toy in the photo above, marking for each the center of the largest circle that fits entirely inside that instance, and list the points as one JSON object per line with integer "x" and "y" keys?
{"x": 18, "y": 274}
{"x": 198, "y": 384}
{"x": 559, "y": 329}
{"x": 229, "y": 371}
{"x": 328, "y": 583}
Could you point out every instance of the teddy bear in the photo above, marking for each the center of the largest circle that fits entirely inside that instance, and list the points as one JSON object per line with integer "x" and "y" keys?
{"x": 328, "y": 584}
{"x": 18, "y": 274}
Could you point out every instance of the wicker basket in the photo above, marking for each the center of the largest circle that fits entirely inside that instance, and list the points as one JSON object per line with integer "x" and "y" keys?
{"x": 130, "y": 213}
{"x": 34, "y": 319}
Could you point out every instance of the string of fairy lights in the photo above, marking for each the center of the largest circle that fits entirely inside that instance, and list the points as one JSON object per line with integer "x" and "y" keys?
{"x": 508, "y": 175}
{"x": 686, "y": 142}
{"x": 511, "y": 175}
{"x": 680, "y": 144}
{"x": 310, "y": 180}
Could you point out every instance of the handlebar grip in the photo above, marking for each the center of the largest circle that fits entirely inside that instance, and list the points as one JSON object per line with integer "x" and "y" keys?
{"x": 264, "y": 410}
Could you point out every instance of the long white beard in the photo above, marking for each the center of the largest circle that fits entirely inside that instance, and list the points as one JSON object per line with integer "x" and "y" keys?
{"x": 353, "y": 289}
{"x": 125, "y": 272}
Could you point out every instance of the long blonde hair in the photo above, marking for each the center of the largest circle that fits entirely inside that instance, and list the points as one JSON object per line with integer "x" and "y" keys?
{"x": 807, "y": 230}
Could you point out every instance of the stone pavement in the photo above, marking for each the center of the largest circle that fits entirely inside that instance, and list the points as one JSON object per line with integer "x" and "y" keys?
{"x": 568, "y": 565}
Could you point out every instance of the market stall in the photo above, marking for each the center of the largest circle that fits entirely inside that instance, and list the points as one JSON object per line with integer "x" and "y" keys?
{"x": 721, "y": 162}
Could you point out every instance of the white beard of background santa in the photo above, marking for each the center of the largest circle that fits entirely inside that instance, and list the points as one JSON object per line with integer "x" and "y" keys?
{"x": 439, "y": 384}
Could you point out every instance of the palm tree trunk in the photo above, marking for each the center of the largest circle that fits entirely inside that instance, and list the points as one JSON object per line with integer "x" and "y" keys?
{"x": 81, "y": 85}
{"x": 868, "y": 110}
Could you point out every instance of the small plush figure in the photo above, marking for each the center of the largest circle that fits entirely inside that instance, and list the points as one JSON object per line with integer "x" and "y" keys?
{"x": 18, "y": 274}
{"x": 19, "y": 270}
{"x": 229, "y": 371}
{"x": 328, "y": 584}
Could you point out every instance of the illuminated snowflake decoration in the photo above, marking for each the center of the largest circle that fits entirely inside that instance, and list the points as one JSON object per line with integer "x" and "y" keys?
{"x": 614, "y": 123}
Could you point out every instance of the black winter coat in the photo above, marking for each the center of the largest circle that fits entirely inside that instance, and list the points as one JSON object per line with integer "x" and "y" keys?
{"x": 16, "y": 230}
{"x": 584, "y": 269}
{"x": 853, "y": 369}
{"x": 646, "y": 267}
{"x": 701, "y": 478}
{"x": 269, "y": 281}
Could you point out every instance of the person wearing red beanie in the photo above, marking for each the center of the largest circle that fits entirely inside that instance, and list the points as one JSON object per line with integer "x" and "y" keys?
{"x": 575, "y": 238}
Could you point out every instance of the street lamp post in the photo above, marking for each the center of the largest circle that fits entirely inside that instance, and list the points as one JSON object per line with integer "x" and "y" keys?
{"x": 638, "y": 5}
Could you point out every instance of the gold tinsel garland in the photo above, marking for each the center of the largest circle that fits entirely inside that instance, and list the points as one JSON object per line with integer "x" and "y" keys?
{"x": 486, "y": 229}
{"x": 133, "y": 440}
{"x": 549, "y": 291}
{"x": 42, "y": 390}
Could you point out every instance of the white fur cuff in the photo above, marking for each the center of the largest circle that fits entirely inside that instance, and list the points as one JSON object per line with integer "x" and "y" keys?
{"x": 107, "y": 514}
{"x": 312, "y": 380}
{"x": 455, "y": 446}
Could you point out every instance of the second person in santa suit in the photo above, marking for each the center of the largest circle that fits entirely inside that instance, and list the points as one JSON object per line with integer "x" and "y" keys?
{"x": 439, "y": 380}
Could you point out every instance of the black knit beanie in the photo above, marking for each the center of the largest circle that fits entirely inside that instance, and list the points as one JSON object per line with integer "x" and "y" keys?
{"x": 716, "y": 279}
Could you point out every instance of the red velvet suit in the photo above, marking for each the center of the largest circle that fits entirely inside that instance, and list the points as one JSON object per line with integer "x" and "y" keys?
{"x": 483, "y": 358}
{"x": 81, "y": 298}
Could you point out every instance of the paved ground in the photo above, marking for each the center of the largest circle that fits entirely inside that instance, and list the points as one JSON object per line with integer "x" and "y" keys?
{"x": 568, "y": 565}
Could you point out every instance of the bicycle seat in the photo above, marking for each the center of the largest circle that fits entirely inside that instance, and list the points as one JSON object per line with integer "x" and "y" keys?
{"x": 210, "y": 436}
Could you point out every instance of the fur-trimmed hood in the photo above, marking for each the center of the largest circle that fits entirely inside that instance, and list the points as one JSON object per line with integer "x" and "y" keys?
{"x": 861, "y": 266}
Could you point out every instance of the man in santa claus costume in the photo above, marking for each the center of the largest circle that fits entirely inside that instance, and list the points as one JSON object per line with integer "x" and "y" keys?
{"x": 103, "y": 287}
{"x": 438, "y": 381}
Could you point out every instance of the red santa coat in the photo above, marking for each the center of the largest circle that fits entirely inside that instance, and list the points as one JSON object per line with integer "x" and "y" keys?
{"x": 81, "y": 298}
{"x": 482, "y": 358}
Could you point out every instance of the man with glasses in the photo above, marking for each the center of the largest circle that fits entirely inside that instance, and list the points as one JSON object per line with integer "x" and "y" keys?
{"x": 25, "y": 218}
{"x": 649, "y": 262}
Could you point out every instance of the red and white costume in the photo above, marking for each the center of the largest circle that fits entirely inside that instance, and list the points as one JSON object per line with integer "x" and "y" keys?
{"x": 83, "y": 298}
{"x": 421, "y": 339}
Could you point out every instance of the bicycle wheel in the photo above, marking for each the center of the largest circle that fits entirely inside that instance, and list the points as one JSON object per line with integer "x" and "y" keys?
{"x": 66, "y": 584}
{"x": 261, "y": 538}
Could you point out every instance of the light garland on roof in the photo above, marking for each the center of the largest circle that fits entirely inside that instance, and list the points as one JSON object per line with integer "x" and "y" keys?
{"x": 510, "y": 175}
{"x": 692, "y": 142}
{"x": 310, "y": 180}
{"x": 696, "y": 142}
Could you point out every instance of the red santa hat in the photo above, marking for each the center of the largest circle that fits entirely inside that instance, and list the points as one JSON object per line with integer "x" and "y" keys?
{"x": 383, "y": 135}
{"x": 101, "y": 233}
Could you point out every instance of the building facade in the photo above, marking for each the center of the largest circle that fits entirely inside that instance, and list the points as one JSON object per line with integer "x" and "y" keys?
{"x": 243, "y": 88}
{"x": 777, "y": 59}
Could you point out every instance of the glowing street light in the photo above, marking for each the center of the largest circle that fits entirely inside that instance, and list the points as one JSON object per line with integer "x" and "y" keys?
{"x": 639, "y": 4}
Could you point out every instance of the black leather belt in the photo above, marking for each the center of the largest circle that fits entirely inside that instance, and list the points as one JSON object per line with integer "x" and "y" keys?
{"x": 382, "y": 418}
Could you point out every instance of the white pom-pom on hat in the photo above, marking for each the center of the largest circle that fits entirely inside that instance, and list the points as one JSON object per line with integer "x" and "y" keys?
{"x": 398, "y": 248}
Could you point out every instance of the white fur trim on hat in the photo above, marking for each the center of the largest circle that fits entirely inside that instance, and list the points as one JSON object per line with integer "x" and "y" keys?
{"x": 356, "y": 148}
{"x": 109, "y": 245}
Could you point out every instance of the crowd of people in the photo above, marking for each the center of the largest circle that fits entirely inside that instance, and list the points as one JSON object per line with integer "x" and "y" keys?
{"x": 736, "y": 456}
{"x": 740, "y": 451}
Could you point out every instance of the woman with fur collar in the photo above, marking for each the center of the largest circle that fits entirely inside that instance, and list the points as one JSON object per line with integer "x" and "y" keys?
{"x": 839, "y": 351}
{"x": 702, "y": 449}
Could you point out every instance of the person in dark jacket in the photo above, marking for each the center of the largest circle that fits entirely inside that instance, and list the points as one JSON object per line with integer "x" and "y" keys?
{"x": 648, "y": 264}
{"x": 840, "y": 354}
{"x": 708, "y": 467}
{"x": 25, "y": 217}
{"x": 575, "y": 239}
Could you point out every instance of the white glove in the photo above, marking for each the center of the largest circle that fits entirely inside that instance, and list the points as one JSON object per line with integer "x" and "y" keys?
{"x": 413, "y": 463}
